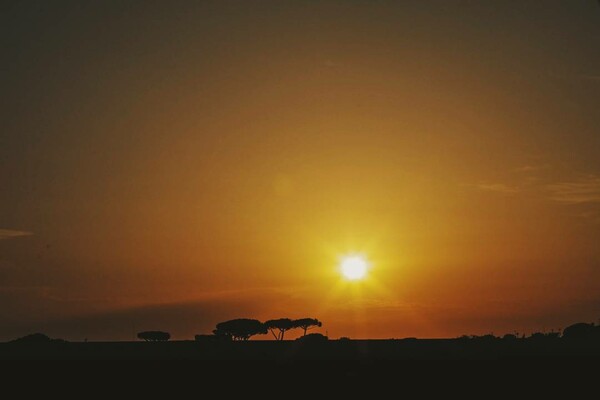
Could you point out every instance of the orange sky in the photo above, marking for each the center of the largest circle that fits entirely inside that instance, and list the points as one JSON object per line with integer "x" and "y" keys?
{"x": 172, "y": 166}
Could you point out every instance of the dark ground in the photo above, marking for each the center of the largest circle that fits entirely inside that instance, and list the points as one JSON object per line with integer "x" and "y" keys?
{"x": 293, "y": 351}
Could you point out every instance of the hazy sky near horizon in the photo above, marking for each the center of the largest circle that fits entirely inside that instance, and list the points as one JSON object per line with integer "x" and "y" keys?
{"x": 169, "y": 165}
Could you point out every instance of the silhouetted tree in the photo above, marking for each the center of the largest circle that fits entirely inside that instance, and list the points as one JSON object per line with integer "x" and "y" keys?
{"x": 306, "y": 324}
{"x": 282, "y": 325}
{"x": 240, "y": 329}
{"x": 154, "y": 336}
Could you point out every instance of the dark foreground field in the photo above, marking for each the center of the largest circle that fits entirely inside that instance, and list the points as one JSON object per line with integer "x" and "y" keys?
{"x": 291, "y": 351}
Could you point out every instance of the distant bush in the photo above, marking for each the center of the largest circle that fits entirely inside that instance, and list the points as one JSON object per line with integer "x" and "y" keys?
{"x": 487, "y": 338}
{"x": 313, "y": 338}
{"x": 344, "y": 339}
{"x": 154, "y": 336}
{"x": 539, "y": 336}
{"x": 509, "y": 336}
{"x": 212, "y": 338}
{"x": 36, "y": 338}
{"x": 581, "y": 330}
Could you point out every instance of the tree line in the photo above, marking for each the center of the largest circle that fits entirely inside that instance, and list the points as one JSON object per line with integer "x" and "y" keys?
{"x": 245, "y": 328}
{"x": 578, "y": 331}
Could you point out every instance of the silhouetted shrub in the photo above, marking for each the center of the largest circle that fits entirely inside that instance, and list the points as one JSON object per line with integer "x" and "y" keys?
{"x": 509, "y": 336}
{"x": 580, "y": 330}
{"x": 240, "y": 329}
{"x": 154, "y": 336}
{"x": 212, "y": 338}
{"x": 552, "y": 335}
{"x": 34, "y": 338}
{"x": 313, "y": 338}
{"x": 536, "y": 335}
{"x": 485, "y": 338}
{"x": 344, "y": 339}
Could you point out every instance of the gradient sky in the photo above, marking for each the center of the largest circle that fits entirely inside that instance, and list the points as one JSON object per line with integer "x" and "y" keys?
{"x": 169, "y": 165}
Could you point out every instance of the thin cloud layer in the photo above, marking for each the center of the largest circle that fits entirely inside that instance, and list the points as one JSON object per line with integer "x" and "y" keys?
{"x": 497, "y": 187}
{"x": 583, "y": 190}
{"x": 11, "y": 233}
{"x": 531, "y": 168}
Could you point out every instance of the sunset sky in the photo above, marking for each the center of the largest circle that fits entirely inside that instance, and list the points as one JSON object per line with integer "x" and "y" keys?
{"x": 173, "y": 164}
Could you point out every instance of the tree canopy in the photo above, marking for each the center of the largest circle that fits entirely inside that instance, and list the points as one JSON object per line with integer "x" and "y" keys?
{"x": 244, "y": 328}
{"x": 282, "y": 325}
{"x": 307, "y": 323}
{"x": 240, "y": 329}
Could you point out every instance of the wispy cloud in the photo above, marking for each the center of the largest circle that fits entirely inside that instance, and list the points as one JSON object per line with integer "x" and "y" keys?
{"x": 531, "y": 168}
{"x": 11, "y": 233}
{"x": 582, "y": 190}
{"x": 497, "y": 187}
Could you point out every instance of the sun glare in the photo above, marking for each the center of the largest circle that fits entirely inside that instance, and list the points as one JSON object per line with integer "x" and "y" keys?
{"x": 354, "y": 267}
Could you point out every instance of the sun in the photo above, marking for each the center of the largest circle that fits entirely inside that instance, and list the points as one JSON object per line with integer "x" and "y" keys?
{"x": 354, "y": 267}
